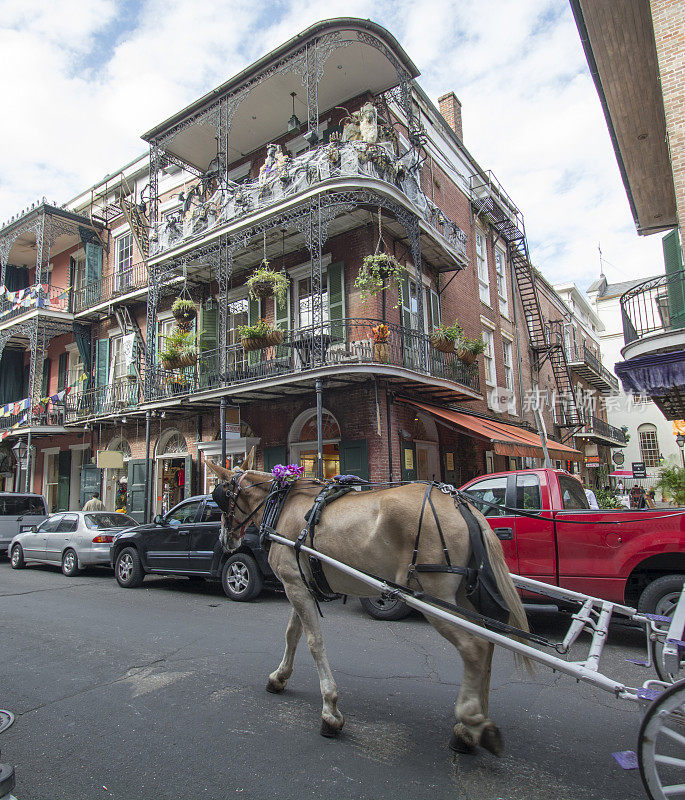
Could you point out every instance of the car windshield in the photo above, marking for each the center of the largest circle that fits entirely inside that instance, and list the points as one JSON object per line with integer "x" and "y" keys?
{"x": 101, "y": 522}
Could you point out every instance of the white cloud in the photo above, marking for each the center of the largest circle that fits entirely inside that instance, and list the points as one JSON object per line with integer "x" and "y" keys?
{"x": 82, "y": 80}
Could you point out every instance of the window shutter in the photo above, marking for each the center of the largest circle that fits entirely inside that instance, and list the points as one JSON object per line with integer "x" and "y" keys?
{"x": 45, "y": 385}
{"x": 209, "y": 342}
{"x": 406, "y": 313}
{"x": 673, "y": 260}
{"x": 93, "y": 262}
{"x": 336, "y": 300}
{"x": 273, "y": 456}
{"x": 137, "y": 470}
{"x": 282, "y": 312}
{"x": 435, "y": 308}
{"x": 253, "y": 312}
{"x": 408, "y": 465}
{"x": 90, "y": 482}
{"x": 62, "y": 371}
{"x": 354, "y": 458}
{"x": 102, "y": 362}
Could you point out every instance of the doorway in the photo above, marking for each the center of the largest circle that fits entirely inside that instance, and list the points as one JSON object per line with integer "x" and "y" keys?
{"x": 427, "y": 461}
{"x": 172, "y": 471}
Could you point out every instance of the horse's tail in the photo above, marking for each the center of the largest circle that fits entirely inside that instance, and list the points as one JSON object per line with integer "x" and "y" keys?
{"x": 517, "y": 613}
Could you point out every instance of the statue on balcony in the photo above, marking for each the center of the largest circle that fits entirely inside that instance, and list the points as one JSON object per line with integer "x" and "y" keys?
{"x": 275, "y": 167}
{"x": 362, "y": 125}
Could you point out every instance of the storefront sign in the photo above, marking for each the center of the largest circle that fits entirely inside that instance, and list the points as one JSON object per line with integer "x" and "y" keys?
{"x": 232, "y": 430}
{"x": 110, "y": 459}
{"x": 408, "y": 458}
{"x": 449, "y": 462}
{"x": 618, "y": 458}
{"x": 639, "y": 469}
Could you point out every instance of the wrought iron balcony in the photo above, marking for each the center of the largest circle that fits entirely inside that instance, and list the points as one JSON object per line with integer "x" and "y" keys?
{"x": 654, "y": 306}
{"x": 588, "y": 365}
{"x": 40, "y": 296}
{"x": 292, "y": 176}
{"x": 344, "y": 343}
{"x": 122, "y": 395}
{"x": 596, "y": 428}
{"x": 109, "y": 287}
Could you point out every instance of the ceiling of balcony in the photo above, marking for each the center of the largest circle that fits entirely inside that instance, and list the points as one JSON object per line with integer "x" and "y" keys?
{"x": 263, "y": 115}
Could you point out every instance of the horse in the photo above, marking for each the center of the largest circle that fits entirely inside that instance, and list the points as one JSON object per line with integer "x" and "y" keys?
{"x": 373, "y": 531}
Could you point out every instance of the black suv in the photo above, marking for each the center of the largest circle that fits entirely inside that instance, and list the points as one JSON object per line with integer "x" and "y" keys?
{"x": 185, "y": 541}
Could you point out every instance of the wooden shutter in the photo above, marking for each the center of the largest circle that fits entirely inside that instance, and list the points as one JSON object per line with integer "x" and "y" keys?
{"x": 408, "y": 461}
{"x": 188, "y": 485}
{"x": 354, "y": 458}
{"x": 253, "y": 312}
{"x": 90, "y": 482}
{"x": 282, "y": 313}
{"x": 209, "y": 343}
{"x": 63, "y": 479}
{"x": 673, "y": 260}
{"x": 62, "y": 366}
{"x": 93, "y": 262}
{"x": 135, "y": 502}
{"x": 273, "y": 456}
{"x": 336, "y": 301}
{"x": 102, "y": 362}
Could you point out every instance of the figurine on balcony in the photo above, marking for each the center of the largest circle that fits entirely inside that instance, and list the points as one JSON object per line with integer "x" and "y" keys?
{"x": 362, "y": 125}
{"x": 275, "y": 166}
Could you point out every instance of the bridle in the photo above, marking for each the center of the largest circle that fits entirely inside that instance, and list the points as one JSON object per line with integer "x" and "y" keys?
{"x": 235, "y": 487}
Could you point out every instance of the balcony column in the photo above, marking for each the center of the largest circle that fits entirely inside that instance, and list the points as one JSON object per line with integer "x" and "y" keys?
{"x": 155, "y": 166}
{"x": 311, "y": 78}
{"x": 151, "y": 331}
{"x": 36, "y": 357}
{"x": 414, "y": 233}
{"x": 224, "y": 272}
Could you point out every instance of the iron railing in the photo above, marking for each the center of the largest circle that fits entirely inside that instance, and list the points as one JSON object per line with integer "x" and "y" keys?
{"x": 602, "y": 428}
{"x": 343, "y": 342}
{"x": 40, "y": 296}
{"x": 121, "y": 395}
{"x": 109, "y": 287}
{"x": 654, "y": 306}
{"x": 588, "y": 357}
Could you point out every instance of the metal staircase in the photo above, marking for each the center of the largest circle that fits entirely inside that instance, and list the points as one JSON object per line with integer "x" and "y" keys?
{"x": 138, "y": 224}
{"x": 491, "y": 203}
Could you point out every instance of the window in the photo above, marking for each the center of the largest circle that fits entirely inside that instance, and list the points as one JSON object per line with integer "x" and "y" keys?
{"x": 103, "y": 522}
{"x": 500, "y": 268}
{"x": 572, "y": 494}
{"x": 489, "y": 357}
{"x": 508, "y": 364}
{"x": 305, "y": 301}
{"x": 117, "y": 351}
{"x": 649, "y": 445}
{"x": 11, "y": 506}
{"x": 68, "y": 524}
{"x": 211, "y": 512}
{"x": 528, "y": 492}
{"x": 123, "y": 262}
{"x": 482, "y": 262}
{"x": 183, "y": 514}
{"x": 487, "y": 492}
{"x": 238, "y": 314}
{"x": 51, "y": 525}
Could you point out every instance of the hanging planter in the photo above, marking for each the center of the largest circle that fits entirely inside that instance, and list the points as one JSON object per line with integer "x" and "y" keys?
{"x": 184, "y": 312}
{"x": 264, "y": 282}
{"x": 259, "y": 336}
{"x": 469, "y": 349}
{"x": 379, "y": 271}
{"x": 443, "y": 337}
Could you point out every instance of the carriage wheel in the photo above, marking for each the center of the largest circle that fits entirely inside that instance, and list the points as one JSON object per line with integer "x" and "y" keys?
{"x": 661, "y": 745}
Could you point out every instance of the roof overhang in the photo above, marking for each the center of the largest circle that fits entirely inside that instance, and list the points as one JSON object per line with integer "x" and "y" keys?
{"x": 660, "y": 376}
{"x": 618, "y": 40}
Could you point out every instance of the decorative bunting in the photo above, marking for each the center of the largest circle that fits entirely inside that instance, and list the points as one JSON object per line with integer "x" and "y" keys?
{"x": 23, "y": 405}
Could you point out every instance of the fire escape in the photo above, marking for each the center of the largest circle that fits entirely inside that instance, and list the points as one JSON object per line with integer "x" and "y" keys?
{"x": 491, "y": 203}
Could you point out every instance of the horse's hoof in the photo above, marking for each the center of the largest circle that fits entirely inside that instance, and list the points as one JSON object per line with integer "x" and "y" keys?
{"x": 328, "y": 730}
{"x": 274, "y": 688}
{"x": 491, "y": 740}
{"x": 460, "y": 745}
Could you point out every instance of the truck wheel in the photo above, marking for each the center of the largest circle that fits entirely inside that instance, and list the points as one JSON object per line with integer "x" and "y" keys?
{"x": 661, "y": 596}
{"x": 241, "y": 579}
{"x": 388, "y": 609}
{"x": 129, "y": 569}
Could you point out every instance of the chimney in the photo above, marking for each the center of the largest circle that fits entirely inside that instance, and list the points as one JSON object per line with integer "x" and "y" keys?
{"x": 450, "y": 108}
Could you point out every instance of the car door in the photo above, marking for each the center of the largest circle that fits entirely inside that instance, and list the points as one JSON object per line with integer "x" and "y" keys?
{"x": 56, "y": 540}
{"x": 204, "y": 537}
{"x": 34, "y": 544}
{"x": 489, "y": 496}
{"x": 535, "y": 533}
{"x": 169, "y": 543}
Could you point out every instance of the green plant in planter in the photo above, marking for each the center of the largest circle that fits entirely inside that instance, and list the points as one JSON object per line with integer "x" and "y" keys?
{"x": 468, "y": 350}
{"x": 264, "y": 282}
{"x": 180, "y": 348}
{"x": 259, "y": 330}
{"x": 444, "y": 337}
{"x": 672, "y": 484}
{"x": 378, "y": 273}
{"x": 183, "y": 310}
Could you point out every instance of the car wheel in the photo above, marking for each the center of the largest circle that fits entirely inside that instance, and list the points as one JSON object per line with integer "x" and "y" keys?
{"x": 17, "y": 557}
{"x": 241, "y": 579}
{"x": 387, "y": 608}
{"x": 70, "y": 565}
{"x": 129, "y": 569}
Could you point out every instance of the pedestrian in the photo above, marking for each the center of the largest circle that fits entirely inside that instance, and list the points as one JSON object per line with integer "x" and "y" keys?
{"x": 591, "y": 499}
{"x": 649, "y": 499}
{"x": 619, "y": 487}
{"x": 637, "y": 497}
{"x": 94, "y": 504}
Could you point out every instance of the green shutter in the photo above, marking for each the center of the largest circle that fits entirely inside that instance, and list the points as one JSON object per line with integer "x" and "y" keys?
{"x": 408, "y": 463}
{"x": 673, "y": 259}
{"x": 336, "y": 301}
{"x": 354, "y": 458}
{"x": 62, "y": 371}
{"x": 273, "y": 456}
{"x": 102, "y": 362}
{"x": 253, "y": 312}
{"x": 209, "y": 341}
{"x": 135, "y": 502}
{"x": 90, "y": 482}
{"x": 45, "y": 384}
{"x": 93, "y": 262}
{"x": 188, "y": 485}
{"x": 282, "y": 313}
{"x": 63, "y": 479}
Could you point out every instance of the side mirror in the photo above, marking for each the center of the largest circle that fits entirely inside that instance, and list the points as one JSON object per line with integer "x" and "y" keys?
{"x": 34, "y": 529}
{"x": 159, "y": 520}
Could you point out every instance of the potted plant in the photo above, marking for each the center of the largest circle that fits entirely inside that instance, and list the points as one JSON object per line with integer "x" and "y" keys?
{"x": 444, "y": 337}
{"x": 177, "y": 382}
{"x": 179, "y": 350}
{"x": 264, "y": 282}
{"x": 381, "y": 346}
{"x": 184, "y": 312}
{"x": 378, "y": 273}
{"x": 260, "y": 335}
{"x": 469, "y": 349}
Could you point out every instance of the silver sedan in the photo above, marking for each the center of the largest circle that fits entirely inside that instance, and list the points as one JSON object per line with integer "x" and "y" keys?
{"x": 74, "y": 539}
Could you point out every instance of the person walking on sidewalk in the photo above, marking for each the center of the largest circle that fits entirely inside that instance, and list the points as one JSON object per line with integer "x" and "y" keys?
{"x": 94, "y": 504}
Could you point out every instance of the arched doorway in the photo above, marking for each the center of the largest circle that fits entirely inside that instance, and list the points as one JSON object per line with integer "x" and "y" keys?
{"x": 420, "y": 451}
{"x": 236, "y": 451}
{"x": 115, "y": 481}
{"x": 302, "y": 442}
{"x": 173, "y": 470}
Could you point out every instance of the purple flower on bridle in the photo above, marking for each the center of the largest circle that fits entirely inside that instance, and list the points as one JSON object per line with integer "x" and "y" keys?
{"x": 287, "y": 474}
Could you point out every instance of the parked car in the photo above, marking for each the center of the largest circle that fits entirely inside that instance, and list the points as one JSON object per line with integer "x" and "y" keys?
{"x": 74, "y": 539}
{"x": 185, "y": 541}
{"x": 19, "y": 512}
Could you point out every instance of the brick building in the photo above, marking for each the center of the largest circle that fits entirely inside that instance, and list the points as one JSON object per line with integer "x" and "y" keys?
{"x": 321, "y": 153}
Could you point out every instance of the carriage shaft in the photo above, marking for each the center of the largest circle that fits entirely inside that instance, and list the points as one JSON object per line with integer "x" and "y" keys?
{"x": 575, "y": 670}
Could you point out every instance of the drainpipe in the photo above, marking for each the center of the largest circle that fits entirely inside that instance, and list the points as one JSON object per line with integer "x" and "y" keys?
{"x": 146, "y": 501}
{"x": 319, "y": 428}
{"x": 222, "y": 425}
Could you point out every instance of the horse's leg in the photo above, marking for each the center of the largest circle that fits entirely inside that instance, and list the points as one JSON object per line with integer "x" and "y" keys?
{"x": 279, "y": 677}
{"x": 471, "y": 709}
{"x": 303, "y": 603}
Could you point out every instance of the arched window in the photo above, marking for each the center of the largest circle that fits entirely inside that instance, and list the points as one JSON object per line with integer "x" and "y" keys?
{"x": 120, "y": 444}
{"x": 302, "y": 440}
{"x": 329, "y": 427}
{"x": 649, "y": 444}
{"x": 171, "y": 442}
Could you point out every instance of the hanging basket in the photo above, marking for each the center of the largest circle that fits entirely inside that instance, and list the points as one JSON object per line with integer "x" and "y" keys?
{"x": 271, "y": 339}
{"x": 184, "y": 312}
{"x": 466, "y": 356}
{"x": 443, "y": 344}
{"x": 180, "y": 361}
{"x": 262, "y": 289}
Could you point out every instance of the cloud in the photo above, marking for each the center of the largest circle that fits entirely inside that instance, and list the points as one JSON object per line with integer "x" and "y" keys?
{"x": 82, "y": 80}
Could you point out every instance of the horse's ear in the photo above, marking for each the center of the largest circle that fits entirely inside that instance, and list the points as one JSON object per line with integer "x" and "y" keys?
{"x": 251, "y": 458}
{"x": 222, "y": 472}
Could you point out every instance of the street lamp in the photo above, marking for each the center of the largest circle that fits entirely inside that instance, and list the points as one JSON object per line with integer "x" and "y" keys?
{"x": 23, "y": 452}
{"x": 680, "y": 441}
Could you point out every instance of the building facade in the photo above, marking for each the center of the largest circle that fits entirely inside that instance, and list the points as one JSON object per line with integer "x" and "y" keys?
{"x": 322, "y": 153}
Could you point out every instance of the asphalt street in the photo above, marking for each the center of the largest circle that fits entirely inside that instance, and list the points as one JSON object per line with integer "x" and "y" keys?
{"x": 158, "y": 692}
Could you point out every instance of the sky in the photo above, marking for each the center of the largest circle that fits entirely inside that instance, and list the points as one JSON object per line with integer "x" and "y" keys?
{"x": 82, "y": 79}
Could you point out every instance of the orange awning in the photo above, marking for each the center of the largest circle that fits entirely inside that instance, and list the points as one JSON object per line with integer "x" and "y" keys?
{"x": 507, "y": 440}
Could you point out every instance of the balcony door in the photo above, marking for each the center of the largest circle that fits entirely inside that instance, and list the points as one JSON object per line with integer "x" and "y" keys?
{"x": 123, "y": 264}
{"x": 414, "y": 340}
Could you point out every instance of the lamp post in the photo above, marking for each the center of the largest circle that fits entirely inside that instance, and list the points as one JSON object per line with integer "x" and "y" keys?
{"x": 23, "y": 452}
{"x": 680, "y": 441}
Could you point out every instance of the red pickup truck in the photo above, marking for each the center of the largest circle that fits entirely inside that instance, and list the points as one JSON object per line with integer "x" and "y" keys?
{"x": 640, "y": 561}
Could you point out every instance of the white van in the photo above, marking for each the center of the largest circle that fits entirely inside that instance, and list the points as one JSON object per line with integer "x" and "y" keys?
{"x": 18, "y": 512}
